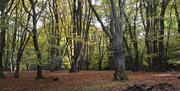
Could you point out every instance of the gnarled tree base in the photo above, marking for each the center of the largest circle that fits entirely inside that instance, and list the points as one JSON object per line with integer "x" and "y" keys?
{"x": 120, "y": 75}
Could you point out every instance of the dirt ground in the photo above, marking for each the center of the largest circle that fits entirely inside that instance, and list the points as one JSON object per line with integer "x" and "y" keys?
{"x": 85, "y": 81}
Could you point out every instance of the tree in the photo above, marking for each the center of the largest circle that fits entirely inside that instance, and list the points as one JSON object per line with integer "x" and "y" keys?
{"x": 77, "y": 32}
{"x": 23, "y": 42}
{"x": 86, "y": 24}
{"x": 133, "y": 38}
{"x": 55, "y": 60}
{"x": 35, "y": 16}
{"x": 161, "y": 55}
{"x": 116, "y": 37}
{"x": 14, "y": 38}
{"x": 5, "y": 7}
{"x": 101, "y": 50}
{"x": 150, "y": 24}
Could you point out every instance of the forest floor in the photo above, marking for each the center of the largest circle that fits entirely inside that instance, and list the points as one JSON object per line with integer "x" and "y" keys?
{"x": 86, "y": 81}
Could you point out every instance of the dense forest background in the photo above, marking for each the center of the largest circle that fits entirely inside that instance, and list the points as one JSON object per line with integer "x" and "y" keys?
{"x": 74, "y": 35}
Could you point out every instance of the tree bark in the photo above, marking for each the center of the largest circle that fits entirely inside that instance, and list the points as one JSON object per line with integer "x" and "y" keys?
{"x": 35, "y": 40}
{"x": 117, "y": 42}
{"x": 77, "y": 19}
{"x": 116, "y": 38}
{"x": 161, "y": 55}
{"x": 2, "y": 43}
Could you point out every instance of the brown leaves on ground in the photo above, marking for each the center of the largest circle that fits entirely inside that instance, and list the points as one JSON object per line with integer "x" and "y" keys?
{"x": 85, "y": 81}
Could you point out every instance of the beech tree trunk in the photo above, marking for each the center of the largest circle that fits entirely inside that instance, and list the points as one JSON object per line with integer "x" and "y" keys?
{"x": 115, "y": 37}
{"x": 119, "y": 58}
{"x": 77, "y": 20}
{"x": 35, "y": 39}
{"x": 117, "y": 42}
{"x": 2, "y": 43}
{"x": 161, "y": 56}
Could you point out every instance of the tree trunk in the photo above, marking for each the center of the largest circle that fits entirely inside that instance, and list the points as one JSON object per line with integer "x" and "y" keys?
{"x": 3, "y": 14}
{"x": 13, "y": 48}
{"x": 116, "y": 38}
{"x": 133, "y": 37}
{"x": 39, "y": 70}
{"x": 119, "y": 58}
{"x": 161, "y": 55}
{"x": 77, "y": 30}
{"x": 55, "y": 60}
{"x": 117, "y": 42}
{"x": 35, "y": 40}
{"x": 2, "y": 43}
{"x": 20, "y": 54}
{"x": 135, "y": 44}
